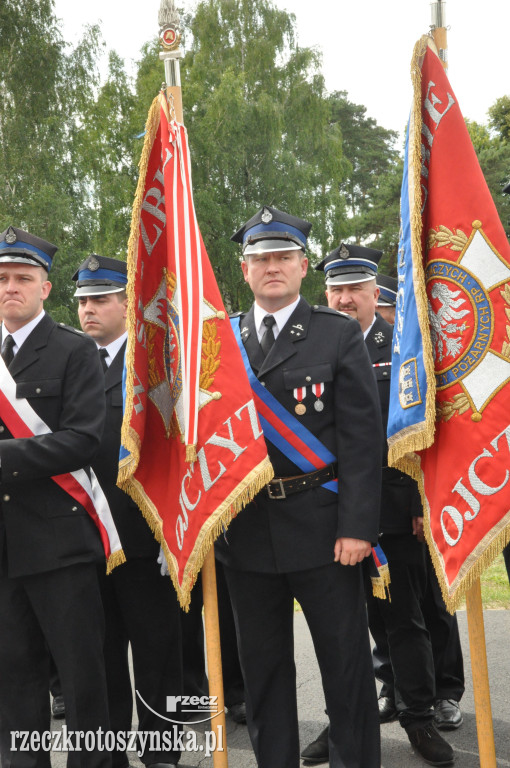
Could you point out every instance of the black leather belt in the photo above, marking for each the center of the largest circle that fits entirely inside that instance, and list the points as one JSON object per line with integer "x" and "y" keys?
{"x": 281, "y": 487}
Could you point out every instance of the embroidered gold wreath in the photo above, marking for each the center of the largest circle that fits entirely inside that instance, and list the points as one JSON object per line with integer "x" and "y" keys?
{"x": 458, "y": 405}
{"x": 505, "y": 293}
{"x": 211, "y": 346}
{"x": 447, "y": 238}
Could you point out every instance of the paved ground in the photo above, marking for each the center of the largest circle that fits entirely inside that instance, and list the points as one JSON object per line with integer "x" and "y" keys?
{"x": 396, "y": 750}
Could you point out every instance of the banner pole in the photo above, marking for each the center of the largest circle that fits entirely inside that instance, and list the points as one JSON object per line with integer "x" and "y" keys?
{"x": 438, "y": 29}
{"x": 480, "y": 673}
{"x": 474, "y": 608}
{"x": 214, "y": 670}
{"x": 170, "y": 38}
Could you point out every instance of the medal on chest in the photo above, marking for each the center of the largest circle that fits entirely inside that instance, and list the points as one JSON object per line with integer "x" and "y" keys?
{"x": 317, "y": 390}
{"x": 299, "y": 395}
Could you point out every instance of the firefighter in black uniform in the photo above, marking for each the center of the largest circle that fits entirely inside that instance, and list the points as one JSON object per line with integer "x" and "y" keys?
{"x": 298, "y": 538}
{"x": 140, "y": 605}
{"x": 49, "y": 545}
{"x": 350, "y": 272}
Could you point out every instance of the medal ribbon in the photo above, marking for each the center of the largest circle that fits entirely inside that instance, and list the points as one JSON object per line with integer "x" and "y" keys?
{"x": 300, "y": 394}
{"x": 318, "y": 389}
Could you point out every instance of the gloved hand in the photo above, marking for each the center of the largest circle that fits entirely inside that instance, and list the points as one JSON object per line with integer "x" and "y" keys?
{"x": 162, "y": 562}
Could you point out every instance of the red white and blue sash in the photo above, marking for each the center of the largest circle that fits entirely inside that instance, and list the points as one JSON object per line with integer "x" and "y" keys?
{"x": 22, "y": 421}
{"x": 300, "y": 446}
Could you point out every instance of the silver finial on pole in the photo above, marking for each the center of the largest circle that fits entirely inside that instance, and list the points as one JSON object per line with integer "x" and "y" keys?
{"x": 438, "y": 28}
{"x": 170, "y": 38}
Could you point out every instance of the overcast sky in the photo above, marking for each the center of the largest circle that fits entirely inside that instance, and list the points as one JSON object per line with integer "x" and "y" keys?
{"x": 366, "y": 45}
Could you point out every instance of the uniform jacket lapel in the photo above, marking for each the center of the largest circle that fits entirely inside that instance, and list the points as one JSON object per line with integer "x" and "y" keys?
{"x": 250, "y": 341}
{"x": 113, "y": 374}
{"x": 295, "y": 330}
{"x": 29, "y": 352}
{"x": 378, "y": 340}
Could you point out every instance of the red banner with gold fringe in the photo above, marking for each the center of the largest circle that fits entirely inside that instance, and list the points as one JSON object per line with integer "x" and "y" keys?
{"x": 193, "y": 453}
{"x": 449, "y": 415}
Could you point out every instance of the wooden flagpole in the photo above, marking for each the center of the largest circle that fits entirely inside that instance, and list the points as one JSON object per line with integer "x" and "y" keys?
{"x": 474, "y": 608}
{"x": 169, "y": 36}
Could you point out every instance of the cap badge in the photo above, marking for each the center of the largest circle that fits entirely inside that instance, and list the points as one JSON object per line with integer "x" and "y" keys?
{"x": 10, "y": 236}
{"x": 267, "y": 216}
{"x": 93, "y": 264}
{"x": 344, "y": 252}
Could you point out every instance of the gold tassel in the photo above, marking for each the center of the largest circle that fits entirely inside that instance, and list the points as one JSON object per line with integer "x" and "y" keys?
{"x": 115, "y": 559}
{"x": 381, "y": 583}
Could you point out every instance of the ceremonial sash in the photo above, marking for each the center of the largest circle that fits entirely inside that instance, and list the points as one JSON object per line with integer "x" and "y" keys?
{"x": 300, "y": 446}
{"x": 22, "y": 421}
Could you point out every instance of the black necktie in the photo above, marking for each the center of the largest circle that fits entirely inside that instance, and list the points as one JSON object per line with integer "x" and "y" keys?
{"x": 8, "y": 350}
{"x": 267, "y": 339}
{"x": 103, "y": 354}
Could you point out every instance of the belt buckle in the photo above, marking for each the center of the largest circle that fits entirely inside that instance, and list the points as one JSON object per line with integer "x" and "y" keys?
{"x": 269, "y": 487}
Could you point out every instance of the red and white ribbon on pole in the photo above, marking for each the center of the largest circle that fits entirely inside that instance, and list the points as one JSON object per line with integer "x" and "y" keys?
{"x": 186, "y": 244}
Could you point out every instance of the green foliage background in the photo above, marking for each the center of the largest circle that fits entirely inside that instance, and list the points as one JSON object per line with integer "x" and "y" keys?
{"x": 262, "y": 130}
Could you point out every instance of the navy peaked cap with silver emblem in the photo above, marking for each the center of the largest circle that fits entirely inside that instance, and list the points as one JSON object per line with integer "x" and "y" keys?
{"x": 20, "y": 247}
{"x": 272, "y": 230}
{"x": 350, "y": 264}
{"x": 99, "y": 275}
{"x": 388, "y": 287}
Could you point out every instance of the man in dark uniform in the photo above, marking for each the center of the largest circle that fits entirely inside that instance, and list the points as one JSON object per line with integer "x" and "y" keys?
{"x": 49, "y": 545}
{"x": 442, "y": 625}
{"x": 350, "y": 272}
{"x": 299, "y": 538}
{"x": 387, "y": 299}
{"x": 140, "y": 605}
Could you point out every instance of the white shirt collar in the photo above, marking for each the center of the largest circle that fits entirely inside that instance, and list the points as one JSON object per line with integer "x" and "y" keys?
{"x": 113, "y": 348}
{"x": 21, "y": 334}
{"x": 365, "y": 333}
{"x": 281, "y": 316}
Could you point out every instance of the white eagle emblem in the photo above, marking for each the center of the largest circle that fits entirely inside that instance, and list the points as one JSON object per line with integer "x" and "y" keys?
{"x": 442, "y": 325}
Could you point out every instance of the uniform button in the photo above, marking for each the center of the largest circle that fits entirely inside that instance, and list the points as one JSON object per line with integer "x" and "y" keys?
{"x": 38, "y": 390}
{"x": 15, "y": 474}
{"x": 6, "y": 497}
{"x": 2, "y": 429}
{"x": 74, "y": 509}
{"x": 385, "y": 373}
{"x": 263, "y": 383}
{"x": 308, "y": 378}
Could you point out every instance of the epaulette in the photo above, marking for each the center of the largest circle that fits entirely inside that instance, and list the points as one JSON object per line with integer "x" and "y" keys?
{"x": 70, "y": 328}
{"x": 329, "y": 311}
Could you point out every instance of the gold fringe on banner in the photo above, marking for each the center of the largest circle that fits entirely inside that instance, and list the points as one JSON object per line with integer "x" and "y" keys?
{"x": 218, "y": 521}
{"x": 115, "y": 559}
{"x": 128, "y": 437}
{"x": 421, "y": 435}
{"x": 381, "y": 583}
